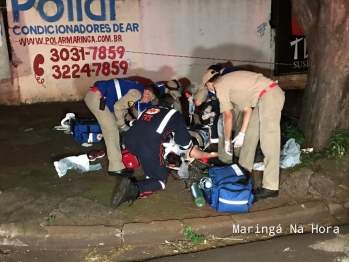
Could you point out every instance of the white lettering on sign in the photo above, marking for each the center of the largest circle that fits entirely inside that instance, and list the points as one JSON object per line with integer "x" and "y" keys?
{"x": 76, "y": 9}
{"x": 295, "y": 44}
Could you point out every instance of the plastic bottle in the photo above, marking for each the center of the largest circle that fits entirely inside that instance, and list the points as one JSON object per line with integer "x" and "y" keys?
{"x": 191, "y": 109}
{"x": 197, "y": 195}
{"x": 183, "y": 171}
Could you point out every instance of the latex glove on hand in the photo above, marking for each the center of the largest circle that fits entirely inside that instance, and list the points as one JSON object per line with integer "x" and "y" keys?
{"x": 239, "y": 140}
{"x": 208, "y": 115}
{"x": 227, "y": 147}
{"x": 208, "y": 109}
{"x": 124, "y": 128}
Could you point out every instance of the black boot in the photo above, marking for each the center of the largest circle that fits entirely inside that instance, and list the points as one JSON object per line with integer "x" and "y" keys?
{"x": 262, "y": 193}
{"x": 126, "y": 172}
{"x": 127, "y": 191}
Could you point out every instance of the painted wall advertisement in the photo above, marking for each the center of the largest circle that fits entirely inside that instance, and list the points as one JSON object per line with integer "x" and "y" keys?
{"x": 60, "y": 44}
{"x": 291, "y": 56}
{"x": 61, "y": 47}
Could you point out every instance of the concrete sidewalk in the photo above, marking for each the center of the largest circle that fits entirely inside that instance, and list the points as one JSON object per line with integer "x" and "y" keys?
{"x": 39, "y": 209}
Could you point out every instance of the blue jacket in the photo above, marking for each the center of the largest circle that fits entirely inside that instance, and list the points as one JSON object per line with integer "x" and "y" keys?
{"x": 109, "y": 89}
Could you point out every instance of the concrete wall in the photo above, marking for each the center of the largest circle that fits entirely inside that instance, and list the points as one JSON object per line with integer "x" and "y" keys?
{"x": 5, "y": 71}
{"x": 156, "y": 39}
{"x": 9, "y": 91}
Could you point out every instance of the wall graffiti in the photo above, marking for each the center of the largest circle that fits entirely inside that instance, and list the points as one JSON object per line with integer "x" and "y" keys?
{"x": 261, "y": 29}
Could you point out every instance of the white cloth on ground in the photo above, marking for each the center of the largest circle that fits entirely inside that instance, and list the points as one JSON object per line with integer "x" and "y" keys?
{"x": 79, "y": 163}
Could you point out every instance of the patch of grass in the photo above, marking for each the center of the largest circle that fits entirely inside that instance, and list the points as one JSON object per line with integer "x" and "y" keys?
{"x": 310, "y": 161}
{"x": 51, "y": 218}
{"x": 191, "y": 235}
{"x": 339, "y": 145}
{"x": 337, "y": 150}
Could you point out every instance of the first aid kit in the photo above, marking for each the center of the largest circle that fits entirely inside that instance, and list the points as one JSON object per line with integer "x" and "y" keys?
{"x": 229, "y": 190}
{"x": 129, "y": 160}
{"x": 85, "y": 130}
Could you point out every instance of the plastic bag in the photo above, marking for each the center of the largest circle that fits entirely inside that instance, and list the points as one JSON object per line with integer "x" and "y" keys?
{"x": 290, "y": 154}
{"x": 183, "y": 171}
{"x": 81, "y": 164}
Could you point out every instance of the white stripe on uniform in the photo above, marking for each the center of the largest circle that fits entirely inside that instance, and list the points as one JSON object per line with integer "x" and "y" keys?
{"x": 117, "y": 88}
{"x": 165, "y": 121}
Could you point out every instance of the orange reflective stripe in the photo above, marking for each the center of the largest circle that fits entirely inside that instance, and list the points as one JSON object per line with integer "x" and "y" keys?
{"x": 264, "y": 91}
{"x": 273, "y": 85}
{"x": 95, "y": 89}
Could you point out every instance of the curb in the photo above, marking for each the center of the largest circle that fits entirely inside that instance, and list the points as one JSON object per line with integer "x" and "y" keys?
{"x": 53, "y": 237}
{"x": 156, "y": 232}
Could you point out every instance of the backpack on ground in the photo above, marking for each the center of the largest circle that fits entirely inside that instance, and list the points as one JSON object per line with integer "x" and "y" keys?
{"x": 85, "y": 130}
{"x": 231, "y": 189}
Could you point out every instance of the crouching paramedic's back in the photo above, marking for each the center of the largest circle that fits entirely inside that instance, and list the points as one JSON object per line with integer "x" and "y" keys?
{"x": 144, "y": 140}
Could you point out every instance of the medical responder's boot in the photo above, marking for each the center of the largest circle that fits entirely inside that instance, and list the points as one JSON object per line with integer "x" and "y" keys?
{"x": 263, "y": 193}
{"x": 127, "y": 191}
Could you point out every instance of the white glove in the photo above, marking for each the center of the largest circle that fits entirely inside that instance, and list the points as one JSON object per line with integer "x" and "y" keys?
{"x": 190, "y": 99}
{"x": 124, "y": 128}
{"x": 208, "y": 115}
{"x": 208, "y": 109}
{"x": 227, "y": 147}
{"x": 239, "y": 140}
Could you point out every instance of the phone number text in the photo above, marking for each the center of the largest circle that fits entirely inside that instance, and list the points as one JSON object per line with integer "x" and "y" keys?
{"x": 95, "y": 69}
{"x": 79, "y": 53}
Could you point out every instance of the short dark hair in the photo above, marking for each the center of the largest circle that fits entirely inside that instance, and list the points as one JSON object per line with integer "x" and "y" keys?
{"x": 214, "y": 78}
{"x": 166, "y": 99}
{"x": 152, "y": 88}
{"x": 216, "y": 67}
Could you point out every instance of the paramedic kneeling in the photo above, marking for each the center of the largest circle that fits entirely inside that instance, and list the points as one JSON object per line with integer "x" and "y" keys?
{"x": 108, "y": 101}
{"x": 252, "y": 90}
{"x": 144, "y": 140}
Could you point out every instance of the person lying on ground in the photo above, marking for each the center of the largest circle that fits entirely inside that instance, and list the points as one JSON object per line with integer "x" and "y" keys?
{"x": 173, "y": 152}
